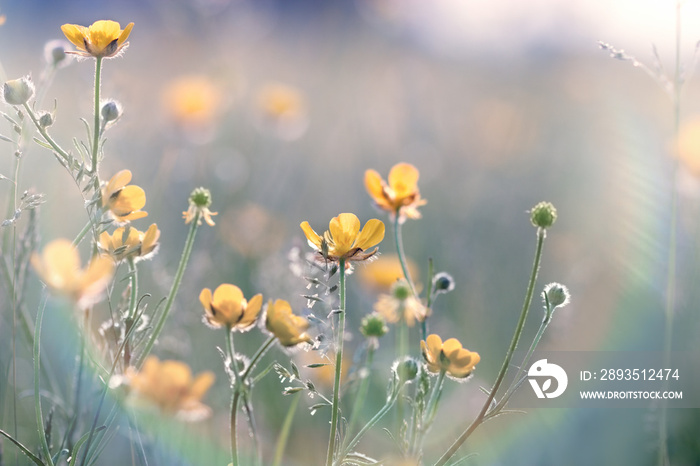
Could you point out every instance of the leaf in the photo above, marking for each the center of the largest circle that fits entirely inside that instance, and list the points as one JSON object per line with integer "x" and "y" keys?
{"x": 24, "y": 449}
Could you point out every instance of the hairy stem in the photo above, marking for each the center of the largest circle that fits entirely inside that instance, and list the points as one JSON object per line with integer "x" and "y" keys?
{"x": 340, "y": 333}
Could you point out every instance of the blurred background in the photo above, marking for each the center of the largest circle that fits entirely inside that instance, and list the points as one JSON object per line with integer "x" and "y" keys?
{"x": 279, "y": 107}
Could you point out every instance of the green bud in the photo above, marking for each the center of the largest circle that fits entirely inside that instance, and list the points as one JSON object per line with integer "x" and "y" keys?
{"x": 111, "y": 111}
{"x": 543, "y": 215}
{"x": 406, "y": 369}
{"x": 46, "y": 119}
{"x": 401, "y": 290}
{"x": 55, "y": 53}
{"x": 557, "y": 295}
{"x": 18, "y": 91}
{"x": 374, "y": 325}
{"x": 200, "y": 197}
{"x": 443, "y": 283}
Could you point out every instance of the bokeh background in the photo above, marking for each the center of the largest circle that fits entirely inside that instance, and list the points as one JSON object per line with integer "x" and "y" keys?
{"x": 280, "y": 106}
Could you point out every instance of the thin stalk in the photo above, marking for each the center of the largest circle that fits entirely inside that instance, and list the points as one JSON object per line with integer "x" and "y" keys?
{"x": 88, "y": 226}
{"x": 134, "y": 282}
{"x": 400, "y": 252}
{"x": 361, "y": 394}
{"x": 96, "y": 124}
{"x": 428, "y": 299}
{"x": 235, "y": 398}
{"x": 37, "y": 382}
{"x": 78, "y": 380}
{"x": 541, "y": 233}
{"x": 189, "y": 242}
{"x": 338, "y": 364}
{"x": 663, "y": 458}
{"x": 286, "y": 429}
{"x": 45, "y": 134}
{"x": 429, "y": 414}
{"x": 380, "y": 414}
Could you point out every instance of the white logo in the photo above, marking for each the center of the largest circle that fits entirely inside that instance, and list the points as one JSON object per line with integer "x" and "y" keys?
{"x": 543, "y": 369}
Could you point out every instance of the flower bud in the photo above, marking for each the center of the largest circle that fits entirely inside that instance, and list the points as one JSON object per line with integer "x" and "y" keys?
{"x": 406, "y": 369}
{"x": 55, "y": 53}
{"x": 543, "y": 215}
{"x": 200, "y": 197}
{"x": 443, "y": 283}
{"x": 401, "y": 290}
{"x": 45, "y": 119}
{"x": 556, "y": 294}
{"x": 111, "y": 111}
{"x": 374, "y": 325}
{"x": 18, "y": 91}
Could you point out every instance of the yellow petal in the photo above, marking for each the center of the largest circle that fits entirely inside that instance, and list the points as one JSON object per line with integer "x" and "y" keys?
{"x": 343, "y": 230}
{"x": 132, "y": 216}
{"x": 451, "y": 347}
{"x": 103, "y": 32}
{"x": 61, "y": 264}
{"x": 76, "y": 34}
{"x": 311, "y": 235}
{"x": 95, "y": 279}
{"x": 150, "y": 239}
{"x": 201, "y": 384}
{"x": 125, "y": 34}
{"x": 130, "y": 199}
{"x": 205, "y": 299}
{"x": 228, "y": 300}
{"x": 373, "y": 184}
{"x": 403, "y": 179}
{"x": 117, "y": 182}
{"x": 434, "y": 344}
{"x": 251, "y": 311}
{"x": 371, "y": 235}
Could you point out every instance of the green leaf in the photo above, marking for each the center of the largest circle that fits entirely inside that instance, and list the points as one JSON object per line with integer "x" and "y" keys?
{"x": 24, "y": 449}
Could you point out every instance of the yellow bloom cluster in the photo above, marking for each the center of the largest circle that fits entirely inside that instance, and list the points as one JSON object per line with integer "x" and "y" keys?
{"x": 128, "y": 242}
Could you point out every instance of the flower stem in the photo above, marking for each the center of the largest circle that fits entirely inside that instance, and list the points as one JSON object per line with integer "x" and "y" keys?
{"x": 429, "y": 415}
{"x": 338, "y": 364}
{"x": 286, "y": 429}
{"x": 189, "y": 242}
{"x": 37, "y": 382}
{"x": 400, "y": 252}
{"x": 83, "y": 232}
{"x": 235, "y": 398}
{"x": 96, "y": 124}
{"x": 361, "y": 394}
{"x": 541, "y": 233}
{"x": 42, "y": 130}
{"x": 134, "y": 281}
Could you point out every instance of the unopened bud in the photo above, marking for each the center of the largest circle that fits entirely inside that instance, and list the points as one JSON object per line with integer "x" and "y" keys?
{"x": 46, "y": 119}
{"x": 543, "y": 215}
{"x": 374, "y": 325}
{"x": 111, "y": 111}
{"x": 406, "y": 369}
{"x": 18, "y": 91}
{"x": 557, "y": 295}
{"x": 55, "y": 53}
{"x": 443, "y": 282}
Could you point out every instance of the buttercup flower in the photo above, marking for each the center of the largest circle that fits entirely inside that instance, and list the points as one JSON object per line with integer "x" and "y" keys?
{"x": 192, "y": 100}
{"x": 227, "y": 307}
{"x": 401, "y": 304}
{"x": 400, "y": 195}
{"x": 103, "y": 39}
{"x": 281, "y": 108}
{"x": 289, "y": 329}
{"x": 129, "y": 242}
{"x": 383, "y": 272}
{"x": 124, "y": 202}
{"x": 59, "y": 267}
{"x": 200, "y": 200}
{"x": 344, "y": 240}
{"x": 170, "y": 386}
{"x": 458, "y": 362}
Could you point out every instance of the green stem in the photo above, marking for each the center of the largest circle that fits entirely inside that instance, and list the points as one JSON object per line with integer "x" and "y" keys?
{"x": 400, "y": 252}
{"x": 429, "y": 415}
{"x": 45, "y": 134}
{"x": 235, "y": 398}
{"x": 541, "y": 233}
{"x": 83, "y": 232}
{"x": 361, "y": 394}
{"x": 338, "y": 364}
{"x": 189, "y": 242}
{"x": 96, "y": 124}
{"x": 663, "y": 458}
{"x": 380, "y": 414}
{"x": 37, "y": 382}
{"x": 286, "y": 429}
{"x": 256, "y": 357}
{"x": 134, "y": 281}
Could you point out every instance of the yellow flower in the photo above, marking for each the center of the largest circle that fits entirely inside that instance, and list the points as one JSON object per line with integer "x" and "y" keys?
{"x": 59, "y": 267}
{"x": 344, "y": 240}
{"x": 170, "y": 386}
{"x": 282, "y": 110}
{"x": 103, "y": 39}
{"x": 401, "y": 303}
{"x": 192, "y": 100}
{"x": 400, "y": 195}
{"x": 129, "y": 242}
{"x": 383, "y": 272}
{"x": 200, "y": 200}
{"x": 458, "y": 362}
{"x": 229, "y": 308}
{"x": 289, "y": 329}
{"x": 124, "y": 202}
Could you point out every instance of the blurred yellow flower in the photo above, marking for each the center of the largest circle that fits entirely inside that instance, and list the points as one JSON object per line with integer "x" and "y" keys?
{"x": 227, "y": 307}
{"x": 282, "y": 108}
{"x": 458, "y": 362}
{"x": 688, "y": 150}
{"x": 129, "y": 242}
{"x": 344, "y": 240}
{"x": 169, "y": 385}
{"x": 124, "y": 202}
{"x": 103, "y": 38}
{"x": 194, "y": 103}
{"x": 324, "y": 375}
{"x": 383, "y": 272}
{"x": 289, "y": 329}
{"x": 253, "y": 230}
{"x": 401, "y": 303}
{"x": 59, "y": 267}
{"x": 400, "y": 195}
